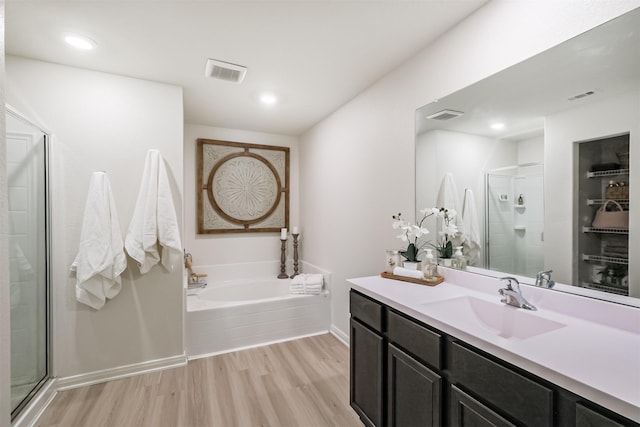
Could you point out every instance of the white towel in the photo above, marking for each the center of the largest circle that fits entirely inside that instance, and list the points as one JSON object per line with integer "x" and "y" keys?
{"x": 448, "y": 198}
{"x": 101, "y": 259}
{"x": 308, "y": 284}
{"x": 153, "y": 232}
{"x": 471, "y": 243}
{"x": 407, "y": 272}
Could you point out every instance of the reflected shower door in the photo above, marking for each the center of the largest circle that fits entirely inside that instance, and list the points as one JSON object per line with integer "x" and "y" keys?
{"x": 515, "y": 220}
{"x": 28, "y": 274}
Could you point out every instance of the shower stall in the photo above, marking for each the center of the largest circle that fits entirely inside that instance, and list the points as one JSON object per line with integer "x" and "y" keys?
{"x": 27, "y": 163}
{"x": 514, "y": 219}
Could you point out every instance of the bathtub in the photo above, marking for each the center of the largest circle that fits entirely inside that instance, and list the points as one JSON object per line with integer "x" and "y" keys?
{"x": 235, "y": 311}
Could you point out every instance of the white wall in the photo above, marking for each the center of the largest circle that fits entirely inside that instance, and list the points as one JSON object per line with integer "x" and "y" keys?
{"x": 210, "y": 249}
{"x": 531, "y": 150}
{"x": 357, "y": 167}
{"x": 612, "y": 116}
{"x": 102, "y": 122}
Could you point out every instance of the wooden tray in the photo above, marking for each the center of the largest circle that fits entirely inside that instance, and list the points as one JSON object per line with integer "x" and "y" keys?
{"x": 436, "y": 281}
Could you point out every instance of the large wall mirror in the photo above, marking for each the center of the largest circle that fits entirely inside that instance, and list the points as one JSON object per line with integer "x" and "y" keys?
{"x": 538, "y": 149}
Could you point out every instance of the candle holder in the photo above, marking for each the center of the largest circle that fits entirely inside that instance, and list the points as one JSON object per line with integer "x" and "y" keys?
{"x": 283, "y": 259}
{"x": 295, "y": 255}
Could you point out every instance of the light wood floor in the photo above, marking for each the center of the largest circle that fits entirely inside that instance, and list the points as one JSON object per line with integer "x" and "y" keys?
{"x": 298, "y": 383}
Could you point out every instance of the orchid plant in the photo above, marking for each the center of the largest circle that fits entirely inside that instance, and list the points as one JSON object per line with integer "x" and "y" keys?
{"x": 411, "y": 233}
{"x": 449, "y": 231}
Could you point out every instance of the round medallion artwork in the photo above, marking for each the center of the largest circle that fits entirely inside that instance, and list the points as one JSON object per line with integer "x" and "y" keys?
{"x": 244, "y": 188}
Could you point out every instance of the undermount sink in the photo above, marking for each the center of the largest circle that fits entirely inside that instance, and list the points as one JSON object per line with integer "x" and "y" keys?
{"x": 500, "y": 319}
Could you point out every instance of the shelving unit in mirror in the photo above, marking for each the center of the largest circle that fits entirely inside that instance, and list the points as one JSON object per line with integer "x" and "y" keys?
{"x": 603, "y": 251}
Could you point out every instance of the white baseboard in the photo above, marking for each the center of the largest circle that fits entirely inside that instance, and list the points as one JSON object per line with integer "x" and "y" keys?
{"x": 339, "y": 334}
{"x": 30, "y": 414}
{"x": 96, "y": 377}
{"x": 247, "y": 347}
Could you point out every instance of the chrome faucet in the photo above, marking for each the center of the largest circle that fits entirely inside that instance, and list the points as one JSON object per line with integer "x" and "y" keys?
{"x": 543, "y": 279}
{"x": 512, "y": 294}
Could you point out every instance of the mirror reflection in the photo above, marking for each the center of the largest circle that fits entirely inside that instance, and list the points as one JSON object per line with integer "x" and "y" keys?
{"x": 541, "y": 150}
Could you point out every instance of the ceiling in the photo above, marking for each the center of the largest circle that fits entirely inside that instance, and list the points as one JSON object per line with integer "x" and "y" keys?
{"x": 313, "y": 55}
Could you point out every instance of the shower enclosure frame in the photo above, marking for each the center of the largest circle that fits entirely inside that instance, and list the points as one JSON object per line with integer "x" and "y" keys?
{"x": 46, "y": 380}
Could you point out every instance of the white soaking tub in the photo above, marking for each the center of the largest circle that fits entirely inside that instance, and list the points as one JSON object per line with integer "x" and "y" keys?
{"x": 244, "y": 312}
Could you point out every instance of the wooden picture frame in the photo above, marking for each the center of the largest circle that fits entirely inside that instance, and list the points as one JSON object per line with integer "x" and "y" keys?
{"x": 241, "y": 188}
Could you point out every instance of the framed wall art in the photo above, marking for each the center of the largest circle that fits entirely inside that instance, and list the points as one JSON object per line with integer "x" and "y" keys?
{"x": 242, "y": 188}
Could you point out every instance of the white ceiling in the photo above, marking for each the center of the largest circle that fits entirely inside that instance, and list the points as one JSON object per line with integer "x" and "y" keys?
{"x": 314, "y": 55}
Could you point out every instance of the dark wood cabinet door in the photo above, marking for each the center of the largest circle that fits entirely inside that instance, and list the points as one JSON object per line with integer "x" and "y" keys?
{"x": 413, "y": 391}
{"x": 367, "y": 374}
{"x": 586, "y": 417}
{"x": 468, "y": 412}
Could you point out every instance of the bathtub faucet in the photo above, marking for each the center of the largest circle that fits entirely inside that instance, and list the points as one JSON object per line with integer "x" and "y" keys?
{"x": 188, "y": 260}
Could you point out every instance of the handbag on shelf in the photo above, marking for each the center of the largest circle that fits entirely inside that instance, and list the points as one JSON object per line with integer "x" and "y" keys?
{"x": 611, "y": 219}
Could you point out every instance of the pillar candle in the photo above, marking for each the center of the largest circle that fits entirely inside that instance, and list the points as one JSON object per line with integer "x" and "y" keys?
{"x": 295, "y": 230}
{"x": 283, "y": 234}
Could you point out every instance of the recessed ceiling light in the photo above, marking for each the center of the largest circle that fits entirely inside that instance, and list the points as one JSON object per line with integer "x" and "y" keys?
{"x": 80, "y": 42}
{"x": 497, "y": 126}
{"x": 268, "y": 99}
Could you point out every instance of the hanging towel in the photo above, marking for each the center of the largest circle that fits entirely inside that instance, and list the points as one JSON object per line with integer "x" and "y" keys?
{"x": 153, "y": 232}
{"x": 448, "y": 198}
{"x": 471, "y": 242}
{"x": 101, "y": 259}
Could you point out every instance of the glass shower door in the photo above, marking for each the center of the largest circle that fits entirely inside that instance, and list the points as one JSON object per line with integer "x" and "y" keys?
{"x": 28, "y": 274}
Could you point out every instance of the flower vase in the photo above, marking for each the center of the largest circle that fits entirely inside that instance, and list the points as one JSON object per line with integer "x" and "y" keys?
{"x": 412, "y": 265}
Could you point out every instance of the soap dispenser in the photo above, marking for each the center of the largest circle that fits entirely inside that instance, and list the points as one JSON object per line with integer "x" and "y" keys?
{"x": 459, "y": 261}
{"x": 430, "y": 269}
{"x": 520, "y": 200}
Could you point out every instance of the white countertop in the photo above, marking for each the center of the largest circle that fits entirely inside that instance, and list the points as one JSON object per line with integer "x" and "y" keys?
{"x": 596, "y": 355}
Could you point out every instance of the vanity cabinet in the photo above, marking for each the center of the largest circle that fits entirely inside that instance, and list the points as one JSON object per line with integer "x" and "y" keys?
{"x": 407, "y": 373}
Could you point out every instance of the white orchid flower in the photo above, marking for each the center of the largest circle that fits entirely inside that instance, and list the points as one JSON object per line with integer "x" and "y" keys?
{"x": 451, "y": 214}
{"x": 450, "y": 229}
{"x": 420, "y": 231}
{"x": 403, "y": 237}
{"x": 397, "y": 224}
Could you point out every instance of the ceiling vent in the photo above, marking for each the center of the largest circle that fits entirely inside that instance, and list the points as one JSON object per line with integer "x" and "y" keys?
{"x": 445, "y": 115}
{"x": 582, "y": 95}
{"x": 225, "y": 71}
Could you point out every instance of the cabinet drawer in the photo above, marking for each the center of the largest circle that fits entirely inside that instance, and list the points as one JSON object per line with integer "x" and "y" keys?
{"x": 366, "y": 310}
{"x": 416, "y": 339}
{"x": 511, "y": 393}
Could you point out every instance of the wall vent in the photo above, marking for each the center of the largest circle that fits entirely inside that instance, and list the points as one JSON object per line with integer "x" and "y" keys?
{"x": 445, "y": 115}
{"x": 225, "y": 71}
